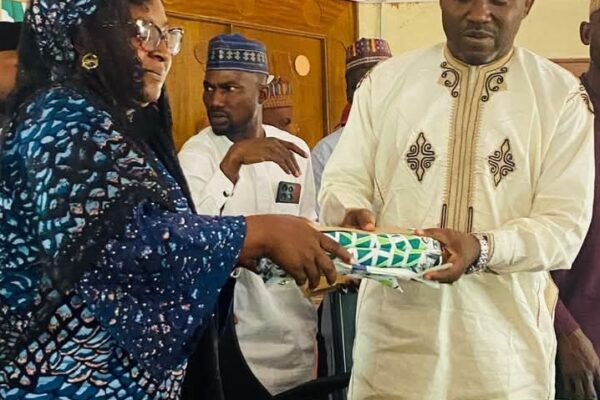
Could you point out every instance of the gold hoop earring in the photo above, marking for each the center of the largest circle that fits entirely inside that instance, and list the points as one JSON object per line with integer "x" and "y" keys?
{"x": 89, "y": 62}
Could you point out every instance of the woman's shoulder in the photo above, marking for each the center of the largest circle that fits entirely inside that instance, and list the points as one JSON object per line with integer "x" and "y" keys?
{"x": 62, "y": 103}
{"x": 61, "y": 112}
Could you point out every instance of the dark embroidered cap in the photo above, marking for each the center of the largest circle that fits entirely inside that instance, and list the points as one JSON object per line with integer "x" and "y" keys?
{"x": 367, "y": 51}
{"x": 235, "y": 52}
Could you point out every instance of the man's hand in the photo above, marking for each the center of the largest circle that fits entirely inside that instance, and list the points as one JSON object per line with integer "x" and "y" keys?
{"x": 359, "y": 218}
{"x": 295, "y": 245}
{"x": 460, "y": 250}
{"x": 579, "y": 367}
{"x": 254, "y": 151}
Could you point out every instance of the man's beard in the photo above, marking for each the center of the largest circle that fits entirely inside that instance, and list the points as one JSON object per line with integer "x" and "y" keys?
{"x": 232, "y": 127}
{"x": 222, "y": 131}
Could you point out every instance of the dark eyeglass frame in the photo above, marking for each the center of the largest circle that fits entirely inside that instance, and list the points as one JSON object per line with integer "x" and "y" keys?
{"x": 164, "y": 34}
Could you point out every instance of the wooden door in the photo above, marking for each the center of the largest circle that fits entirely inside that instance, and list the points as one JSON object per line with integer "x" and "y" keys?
{"x": 577, "y": 66}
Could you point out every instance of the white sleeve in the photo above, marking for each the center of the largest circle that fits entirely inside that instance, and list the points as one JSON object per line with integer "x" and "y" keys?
{"x": 209, "y": 186}
{"x": 551, "y": 236}
{"x": 319, "y": 156}
{"x": 308, "y": 199}
{"x": 347, "y": 181}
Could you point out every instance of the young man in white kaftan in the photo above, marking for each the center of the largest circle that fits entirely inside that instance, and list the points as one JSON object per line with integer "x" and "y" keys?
{"x": 239, "y": 166}
{"x": 493, "y": 145}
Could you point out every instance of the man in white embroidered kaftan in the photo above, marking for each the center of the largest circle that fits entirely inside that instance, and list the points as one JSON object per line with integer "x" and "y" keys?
{"x": 490, "y": 147}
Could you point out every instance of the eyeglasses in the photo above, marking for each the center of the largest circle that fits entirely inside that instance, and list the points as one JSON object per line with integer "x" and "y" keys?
{"x": 151, "y": 36}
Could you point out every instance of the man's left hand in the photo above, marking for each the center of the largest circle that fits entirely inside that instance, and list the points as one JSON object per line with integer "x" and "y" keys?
{"x": 579, "y": 366}
{"x": 460, "y": 250}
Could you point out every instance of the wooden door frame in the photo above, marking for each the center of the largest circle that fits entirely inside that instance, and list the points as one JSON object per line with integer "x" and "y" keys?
{"x": 570, "y": 60}
{"x": 564, "y": 62}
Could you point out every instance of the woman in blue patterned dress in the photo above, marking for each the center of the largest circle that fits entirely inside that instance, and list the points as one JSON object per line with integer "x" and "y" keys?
{"x": 107, "y": 277}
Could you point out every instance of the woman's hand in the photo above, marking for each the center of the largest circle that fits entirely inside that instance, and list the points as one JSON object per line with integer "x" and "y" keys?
{"x": 293, "y": 244}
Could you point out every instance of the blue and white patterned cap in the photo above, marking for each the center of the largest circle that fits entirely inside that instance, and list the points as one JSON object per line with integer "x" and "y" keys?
{"x": 235, "y": 52}
{"x": 52, "y": 20}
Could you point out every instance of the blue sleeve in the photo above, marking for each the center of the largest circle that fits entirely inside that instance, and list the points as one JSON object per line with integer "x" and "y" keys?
{"x": 93, "y": 214}
{"x": 153, "y": 289}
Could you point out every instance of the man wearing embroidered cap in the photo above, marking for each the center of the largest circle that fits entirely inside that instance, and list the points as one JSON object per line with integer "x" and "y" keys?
{"x": 278, "y": 108}
{"x": 361, "y": 57}
{"x": 577, "y": 321}
{"x": 490, "y": 147}
{"x": 240, "y": 166}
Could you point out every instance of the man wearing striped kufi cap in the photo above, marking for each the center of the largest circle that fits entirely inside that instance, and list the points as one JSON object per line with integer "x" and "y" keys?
{"x": 278, "y": 108}
{"x": 577, "y": 321}
{"x": 361, "y": 57}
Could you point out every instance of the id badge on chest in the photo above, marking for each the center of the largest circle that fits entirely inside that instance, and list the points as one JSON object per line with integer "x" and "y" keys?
{"x": 288, "y": 193}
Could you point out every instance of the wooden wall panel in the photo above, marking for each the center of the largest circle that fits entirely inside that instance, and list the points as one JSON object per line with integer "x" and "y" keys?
{"x": 187, "y": 74}
{"x": 313, "y": 16}
{"x": 318, "y": 29}
{"x": 576, "y": 65}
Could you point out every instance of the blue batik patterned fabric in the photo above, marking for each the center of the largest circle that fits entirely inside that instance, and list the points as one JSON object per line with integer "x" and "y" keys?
{"x": 106, "y": 276}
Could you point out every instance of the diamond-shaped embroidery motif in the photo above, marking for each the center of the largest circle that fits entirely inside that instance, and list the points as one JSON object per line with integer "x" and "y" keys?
{"x": 420, "y": 156}
{"x": 501, "y": 162}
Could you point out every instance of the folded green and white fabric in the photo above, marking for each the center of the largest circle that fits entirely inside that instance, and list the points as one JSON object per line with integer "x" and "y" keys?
{"x": 385, "y": 257}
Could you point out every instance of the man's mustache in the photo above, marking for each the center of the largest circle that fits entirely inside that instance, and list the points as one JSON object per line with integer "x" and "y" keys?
{"x": 218, "y": 113}
{"x": 480, "y": 30}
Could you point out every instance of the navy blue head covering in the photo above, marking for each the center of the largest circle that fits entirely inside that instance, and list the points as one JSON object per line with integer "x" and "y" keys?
{"x": 10, "y": 33}
{"x": 235, "y": 52}
{"x": 52, "y": 20}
